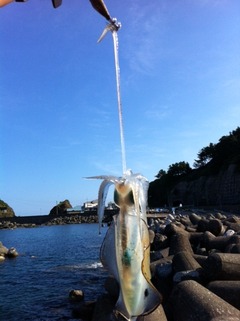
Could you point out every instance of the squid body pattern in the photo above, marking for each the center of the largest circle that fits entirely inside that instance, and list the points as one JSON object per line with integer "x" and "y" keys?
{"x": 125, "y": 251}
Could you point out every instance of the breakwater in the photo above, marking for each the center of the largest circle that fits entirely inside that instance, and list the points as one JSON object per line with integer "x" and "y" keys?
{"x": 38, "y": 220}
{"x": 195, "y": 266}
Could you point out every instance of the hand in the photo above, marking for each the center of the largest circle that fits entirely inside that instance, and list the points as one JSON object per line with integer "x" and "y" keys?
{"x": 5, "y": 2}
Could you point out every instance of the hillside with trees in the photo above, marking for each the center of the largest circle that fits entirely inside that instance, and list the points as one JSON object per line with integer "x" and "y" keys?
{"x": 214, "y": 179}
{"x": 6, "y": 210}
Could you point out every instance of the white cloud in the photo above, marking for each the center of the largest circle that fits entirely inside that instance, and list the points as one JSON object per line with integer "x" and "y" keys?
{"x": 143, "y": 37}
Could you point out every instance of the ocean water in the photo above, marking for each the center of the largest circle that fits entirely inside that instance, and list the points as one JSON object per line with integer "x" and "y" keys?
{"x": 52, "y": 261}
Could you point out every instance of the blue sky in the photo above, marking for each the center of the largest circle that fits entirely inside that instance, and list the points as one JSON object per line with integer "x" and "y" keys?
{"x": 180, "y": 80}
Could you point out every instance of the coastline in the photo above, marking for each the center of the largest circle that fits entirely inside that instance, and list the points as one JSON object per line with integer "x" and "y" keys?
{"x": 195, "y": 266}
{"x": 48, "y": 220}
{"x": 90, "y": 216}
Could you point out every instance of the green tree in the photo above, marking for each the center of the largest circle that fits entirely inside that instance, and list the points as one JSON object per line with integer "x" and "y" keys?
{"x": 161, "y": 173}
{"x": 205, "y": 155}
{"x": 177, "y": 169}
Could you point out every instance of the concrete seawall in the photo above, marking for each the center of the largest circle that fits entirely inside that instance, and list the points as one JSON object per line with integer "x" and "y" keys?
{"x": 44, "y": 219}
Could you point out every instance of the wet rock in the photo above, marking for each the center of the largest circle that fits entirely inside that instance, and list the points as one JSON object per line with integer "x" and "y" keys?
{"x": 12, "y": 253}
{"x": 7, "y": 253}
{"x": 76, "y": 295}
{"x": 3, "y": 249}
{"x": 2, "y": 257}
{"x": 84, "y": 311}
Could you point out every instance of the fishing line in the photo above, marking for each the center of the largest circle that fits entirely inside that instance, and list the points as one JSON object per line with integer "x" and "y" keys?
{"x": 117, "y": 68}
{"x": 114, "y": 26}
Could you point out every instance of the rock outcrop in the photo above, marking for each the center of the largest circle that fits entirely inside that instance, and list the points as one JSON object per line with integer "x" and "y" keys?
{"x": 6, "y": 210}
{"x": 60, "y": 209}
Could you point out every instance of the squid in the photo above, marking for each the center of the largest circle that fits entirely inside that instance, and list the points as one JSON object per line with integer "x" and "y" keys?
{"x": 125, "y": 251}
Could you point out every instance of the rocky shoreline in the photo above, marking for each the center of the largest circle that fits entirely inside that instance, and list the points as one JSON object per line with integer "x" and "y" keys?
{"x": 48, "y": 221}
{"x": 195, "y": 265}
{"x": 7, "y": 253}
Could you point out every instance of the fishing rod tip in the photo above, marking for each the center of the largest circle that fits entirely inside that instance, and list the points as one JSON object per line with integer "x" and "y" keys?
{"x": 113, "y": 26}
{"x": 117, "y": 25}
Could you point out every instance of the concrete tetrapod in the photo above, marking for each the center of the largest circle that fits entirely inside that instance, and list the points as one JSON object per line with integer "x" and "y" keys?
{"x": 191, "y": 301}
{"x": 223, "y": 266}
{"x": 227, "y": 290}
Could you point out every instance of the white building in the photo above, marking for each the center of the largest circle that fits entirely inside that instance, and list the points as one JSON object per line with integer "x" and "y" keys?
{"x": 90, "y": 205}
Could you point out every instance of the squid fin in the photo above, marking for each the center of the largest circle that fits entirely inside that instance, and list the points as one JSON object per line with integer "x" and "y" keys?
{"x": 107, "y": 252}
{"x": 151, "y": 301}
{"x": 102, "y": 195}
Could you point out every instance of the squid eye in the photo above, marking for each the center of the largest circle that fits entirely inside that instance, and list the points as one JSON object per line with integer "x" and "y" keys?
{"x": 129, "y": 198}
{"x": 120, "y": 199}
{"x": 116, "y": 198}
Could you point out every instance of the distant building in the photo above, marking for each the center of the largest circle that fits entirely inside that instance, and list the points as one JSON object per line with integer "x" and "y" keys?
{"x": 75, "y": 209}
{"x": 90, "y": 205}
